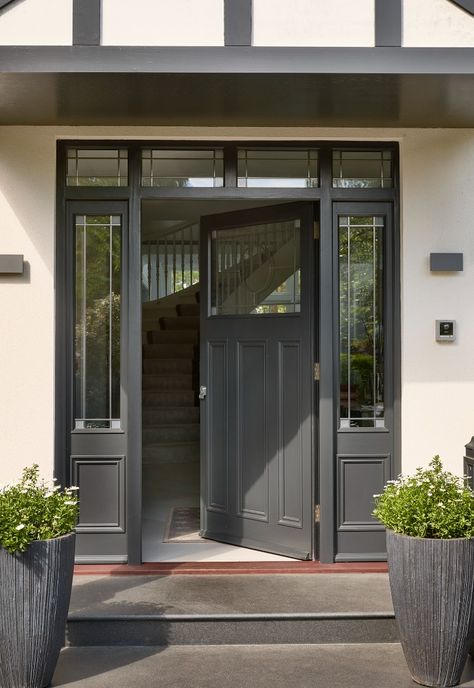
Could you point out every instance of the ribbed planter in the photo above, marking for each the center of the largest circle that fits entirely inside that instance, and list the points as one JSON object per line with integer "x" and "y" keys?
{"x": 432, "y": 583}
{"x": 35, "y": 591}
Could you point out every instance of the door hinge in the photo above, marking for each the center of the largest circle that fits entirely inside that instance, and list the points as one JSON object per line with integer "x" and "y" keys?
{"x": 316, "y": 372}
{"x": 317, "y": 514}
{"x": 316, "y": 229}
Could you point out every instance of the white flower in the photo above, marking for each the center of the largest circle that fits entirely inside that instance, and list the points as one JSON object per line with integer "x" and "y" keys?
{"x": 73, "y": 488}
{"x": 71, "y": 502}
{"x": 20, "y": 526}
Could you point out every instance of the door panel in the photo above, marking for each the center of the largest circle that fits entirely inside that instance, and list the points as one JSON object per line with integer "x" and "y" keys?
{"x": 97, "y": 412}
{"x": 257, "y": 299}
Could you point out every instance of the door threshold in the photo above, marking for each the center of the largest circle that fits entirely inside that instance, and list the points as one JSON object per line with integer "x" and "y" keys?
{"x": 228, "y": 568}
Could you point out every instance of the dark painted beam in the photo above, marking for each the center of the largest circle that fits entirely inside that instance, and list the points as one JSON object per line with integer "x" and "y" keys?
{"x": 388, "y": 23}
{"x": 467, "y": 5}
{"x": 86, "y": 22}
{"x": 238, "y": 22}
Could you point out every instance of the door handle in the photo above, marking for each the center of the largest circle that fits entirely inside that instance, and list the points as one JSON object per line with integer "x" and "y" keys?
{"x": 202, "y": 392}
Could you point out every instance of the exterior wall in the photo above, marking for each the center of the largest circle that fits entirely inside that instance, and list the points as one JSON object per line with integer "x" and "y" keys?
{"x": 437, "y": 210}
{"x": 36, "y": 22}
{"x": 313, "y": 23}
{"x": 160, "y": 22}
{"x": 436, "y": 23}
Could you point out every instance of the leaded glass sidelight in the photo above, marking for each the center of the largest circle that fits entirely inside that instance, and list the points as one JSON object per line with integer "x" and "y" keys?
{"x": 361, "y": 321}
{"x": 97, "y": 321}
{"x": 256, "y": 270}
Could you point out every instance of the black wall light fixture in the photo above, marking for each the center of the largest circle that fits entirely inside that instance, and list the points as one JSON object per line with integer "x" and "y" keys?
{"x": 11, "y": 264}
{"x": 446, "y": 262}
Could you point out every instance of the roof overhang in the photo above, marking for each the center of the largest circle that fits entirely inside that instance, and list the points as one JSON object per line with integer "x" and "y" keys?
{"x": 237, "y": 86}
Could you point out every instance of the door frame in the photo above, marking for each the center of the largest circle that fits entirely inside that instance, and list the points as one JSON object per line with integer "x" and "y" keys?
{"x": 134, "y": 194}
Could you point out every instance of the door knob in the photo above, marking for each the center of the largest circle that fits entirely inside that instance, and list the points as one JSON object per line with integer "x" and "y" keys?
{"x": 202, "y": 392}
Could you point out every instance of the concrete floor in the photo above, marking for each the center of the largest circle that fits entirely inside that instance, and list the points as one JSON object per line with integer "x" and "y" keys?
{"x": 263, "y": 666}
{"x": 177, "y": 484}
{"x": 340, "y": 592}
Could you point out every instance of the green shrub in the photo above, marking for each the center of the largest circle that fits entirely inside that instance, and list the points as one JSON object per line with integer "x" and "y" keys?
{"x": 430, "y": 504}
{"x": 32, "y": 509}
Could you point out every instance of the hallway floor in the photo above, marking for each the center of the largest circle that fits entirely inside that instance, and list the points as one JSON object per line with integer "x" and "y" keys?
{"x": 168, "y": 485}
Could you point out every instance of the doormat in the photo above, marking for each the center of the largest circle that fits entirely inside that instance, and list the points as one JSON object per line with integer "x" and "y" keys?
{"x": 183, "y": 525}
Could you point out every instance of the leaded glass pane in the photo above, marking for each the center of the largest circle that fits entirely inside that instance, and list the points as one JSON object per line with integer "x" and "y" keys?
{"x": 362, "y": 169}
{"x": 97, "y": 321}
{"x": 97, "y": 167}
{"x": 256, "y": 270}
{"x": 183, "y": 168}
{"x": 272, "y": 168}
{"x": 361, "y": 321}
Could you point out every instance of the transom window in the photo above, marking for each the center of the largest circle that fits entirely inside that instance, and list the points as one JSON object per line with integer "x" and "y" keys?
{"x": 183, "y": 168}
{"x": 97, "y": 167}
{"x": 362, "y": 169}
{"x": 282, "y": 168}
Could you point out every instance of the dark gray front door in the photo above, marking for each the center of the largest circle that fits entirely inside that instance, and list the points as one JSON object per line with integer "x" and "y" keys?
{"x": 258, "y": 319}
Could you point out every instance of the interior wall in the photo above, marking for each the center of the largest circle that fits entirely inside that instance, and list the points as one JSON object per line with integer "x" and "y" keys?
{"x": 437, "y": 379}
{"x": 436, "y": 24}
{"x": 36, "y": 22}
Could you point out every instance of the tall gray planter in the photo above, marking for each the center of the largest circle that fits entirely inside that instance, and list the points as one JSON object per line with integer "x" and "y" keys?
{"x": 35, "y": 589}
{"x": 432, "y": 583}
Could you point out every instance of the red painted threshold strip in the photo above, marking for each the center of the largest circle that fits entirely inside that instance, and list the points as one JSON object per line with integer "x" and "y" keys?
{"x": 227, "y": 568}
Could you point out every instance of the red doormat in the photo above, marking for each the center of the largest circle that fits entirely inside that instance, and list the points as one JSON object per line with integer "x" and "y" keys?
{"x": 228, "y": 568}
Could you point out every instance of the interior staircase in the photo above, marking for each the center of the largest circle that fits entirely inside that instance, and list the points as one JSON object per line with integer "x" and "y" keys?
{"x": 170, "y": 379}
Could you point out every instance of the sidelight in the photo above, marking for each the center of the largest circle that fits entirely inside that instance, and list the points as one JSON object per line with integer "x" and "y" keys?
{"x": 97, "y": 321}
{"x": 361, "y": 321}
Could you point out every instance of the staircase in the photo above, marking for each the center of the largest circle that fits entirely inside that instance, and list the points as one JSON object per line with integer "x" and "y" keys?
{"x": 170, "y": 378}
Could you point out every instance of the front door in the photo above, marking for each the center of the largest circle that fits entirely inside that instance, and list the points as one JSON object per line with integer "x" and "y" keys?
{"x": 257, "y": 385}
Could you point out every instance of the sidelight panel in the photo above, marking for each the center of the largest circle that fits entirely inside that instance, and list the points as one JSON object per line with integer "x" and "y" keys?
{"x": 361, "y": 321}
{"x": 97, "y": 321}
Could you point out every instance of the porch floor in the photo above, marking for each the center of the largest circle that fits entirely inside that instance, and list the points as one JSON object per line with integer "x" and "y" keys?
{"x": 236, "y": 594}
{"x": 377, "y": 665}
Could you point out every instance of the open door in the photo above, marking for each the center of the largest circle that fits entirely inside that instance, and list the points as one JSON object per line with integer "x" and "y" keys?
{"x": 257, "y": 331}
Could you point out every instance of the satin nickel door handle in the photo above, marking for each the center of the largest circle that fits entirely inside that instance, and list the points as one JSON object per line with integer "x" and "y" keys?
{"x": 202, "y": 392}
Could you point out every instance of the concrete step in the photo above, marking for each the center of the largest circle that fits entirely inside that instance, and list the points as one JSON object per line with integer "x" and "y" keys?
{"x": 188, "y": 322}
{"x": 170, "y": 350}
{"x": 181, "y": 397}
{"x": 180, "y": 336}
{"x": 170, "y": 415}
{"x": 159, "y": 382}
{"x": 185, "y": 432}
{"x": 188, "y": 309}
{"x": 171, "y": 452}
{"x": 378, "y": 665}
{"x": 167, "y": 366}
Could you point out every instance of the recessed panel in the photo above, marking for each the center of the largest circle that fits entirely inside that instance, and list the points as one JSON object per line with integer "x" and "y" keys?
{"x": 252, "y": 448}
{"x": 290, "y": 445}
{"x": 218, "y": 421}
{"x": 101, "y": 493}
{"x": 359, "y": 479}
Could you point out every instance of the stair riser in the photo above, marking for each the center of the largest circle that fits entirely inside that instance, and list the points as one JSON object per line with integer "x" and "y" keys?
{"x": 169, "y": 351}
{"x": 182, "y": 398}
{"x": 163, "y": 382}
{"x": 188, "y": 322}
{"x": 217, "y": 631}
{"x": 163, "y": 416}
{"x": 166, "y": 366}
{"x": 180, "y": 433}
{"x": 183, "y": 453}
{"x": 171, "y": 336}
{"x": 188, "y": 309}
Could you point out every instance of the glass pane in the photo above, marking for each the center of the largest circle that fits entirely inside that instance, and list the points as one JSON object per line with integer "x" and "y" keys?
{"x": 362, "y": 169}
{"x": 277, "y": 168}
{"x": 183, "y": 168}
{"x": 256, "y": 270}
{"x": 108, "y": 167}
{"x": 361, "y": 319}
{"x": 97, "y": 321}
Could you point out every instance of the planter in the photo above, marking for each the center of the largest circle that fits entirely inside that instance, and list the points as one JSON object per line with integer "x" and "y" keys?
{"x": 34, "y": 599}
{"x": 432, "y": 583}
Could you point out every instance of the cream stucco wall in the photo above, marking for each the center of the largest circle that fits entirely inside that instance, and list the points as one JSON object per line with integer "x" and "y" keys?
{"x": 313, "y": 23}
{"x": 36, "y": 22}
{"x": 437, "y": 215}
{"x": 436, "y": 24}
{"x": 160, "y": 22}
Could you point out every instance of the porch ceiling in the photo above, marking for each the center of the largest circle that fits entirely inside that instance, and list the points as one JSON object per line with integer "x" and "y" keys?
{"x": 362, "y": 87}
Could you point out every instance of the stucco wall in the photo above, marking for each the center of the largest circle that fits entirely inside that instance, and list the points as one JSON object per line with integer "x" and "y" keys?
{"x": 437, "y": 212}
{"x": 313, "y": 23}
{"x": 436, "y": 23}
{"x": 36, "y": 22}
{"x": 160, "y": 22}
